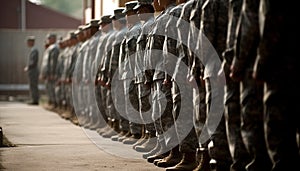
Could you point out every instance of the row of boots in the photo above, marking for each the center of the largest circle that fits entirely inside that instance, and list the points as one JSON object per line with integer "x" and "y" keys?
{"x": 155, "y": 150}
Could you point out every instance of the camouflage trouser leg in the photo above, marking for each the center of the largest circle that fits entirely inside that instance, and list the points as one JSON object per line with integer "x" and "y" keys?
{"x": 119, "y": 101}
{"x": 199, "y": 110}
{"x": 144, "y": 92}
{"x": 86, "y": 100}
{"x": 238, "y": 151}
{"x": 162, "y": 109}
{"x": 131, "y": 107}
{"x": 281, "y": 124}
{"x": 252, "y": 124}
{"x": 103, "y": 100}
{"x": 33, "y": 86}
{"x": 183, "y": 116}
{"x": 50, "y": 86}
{"x": 101, "y": 109}
{"x": 216, "y": 122}
{"x": 58, "y": 92}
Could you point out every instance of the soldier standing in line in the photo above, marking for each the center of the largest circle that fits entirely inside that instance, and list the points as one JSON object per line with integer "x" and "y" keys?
{"x": 248, "y": 38}
{"x": 170, "y": 55}
{"x": 212, "y": 43}
{"x": 155, "y": 75}
{"x": 103, "y": 69}
{"x": 196, "y": 74}
{"x": 64, "y": 59}
{"x": 128, "y": 75}
{"x": 50, "y": 67}
{"x": 106, "y": 28}
{"x": 117, "y": 105}
{"x": 76, "y": 70}
{"x": 184, "y": 154}
{"x": 145, "y": 12}
{"x": 93, "y": 36}
{"x": 78, "y": 76}
{"x": 59, "y": 86}
{"x": 119, "y": 126}
{"x": 33, "y": 71}
{"x": 277, "y": 66}
{"x": 68, "y": 72}
{"x": 239, "y": 154}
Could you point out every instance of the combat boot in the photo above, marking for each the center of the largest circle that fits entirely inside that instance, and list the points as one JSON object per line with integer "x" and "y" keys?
{"x": 148, "y": 145}
{"x": 128, "y": 134}
{"x": 171, "y": 160}
{"x": 163, "y": 152}
{"x": 105, "y": 129}
{"x": 203, "y": 160}
{"x": 114, "y": 131}
{"x": 141, "y": 141}
{"x": 187, "y": 163}
{"x": 153, "y": 151}
{"x": 132, "y": 139}
{"x": 116, "y": 137}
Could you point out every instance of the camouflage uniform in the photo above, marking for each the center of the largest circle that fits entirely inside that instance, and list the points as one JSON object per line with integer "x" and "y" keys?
{"x": 33, "y": 74}
{"x": 97, "y": 63}
{"x": 79, "y": 80}
{"x": 53, "y": 53}
{"x": 118, "y": 105}
{"x": 213, "y": 29}
{"x": 276, "y": 65}
{"x": 176, "y": 72}
{"x": 69, "y": 73}
{"x": 103, "y": 73}
{"x": 144, "y": 91}
{"x": 89, "y": 53}
{"x": 162, "y": 97}
{"x": 239, "y": 154}
{"x": 187, "y": 143}
{"x": 92, "y": 104}
{"x": 59, "y": 86}
{"x": 196, "y": 67}
{"x": 130, "y": 89}
{"x": 251, "y": 91}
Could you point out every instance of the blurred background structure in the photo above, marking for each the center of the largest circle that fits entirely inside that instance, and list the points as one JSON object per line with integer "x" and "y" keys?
{"x": 21, "y": 18}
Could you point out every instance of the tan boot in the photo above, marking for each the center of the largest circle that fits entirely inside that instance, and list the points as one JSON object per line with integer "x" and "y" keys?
{"x": 132, "y": 139}
{"x": 141, "y": 141}
{"x": 171, "y": 160}
{"x": 187, "y": 163}
{"x": 203, "y": 160}
{"x": 148, "y": 145}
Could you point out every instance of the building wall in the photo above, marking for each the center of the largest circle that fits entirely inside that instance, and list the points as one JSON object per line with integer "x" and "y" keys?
{"x": 36, "y": 16}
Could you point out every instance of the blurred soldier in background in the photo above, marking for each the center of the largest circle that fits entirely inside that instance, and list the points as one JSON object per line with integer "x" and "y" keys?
{"x": 59, "y": 86}
{"x": 68, "y": 74}
{"x": 91, "y": 31}
{"x": 48, "y": 74}
{"x": 33, "y": 70}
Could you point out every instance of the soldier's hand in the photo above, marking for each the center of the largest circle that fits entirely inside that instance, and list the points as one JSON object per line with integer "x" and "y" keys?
{"x": 25, "y": 69}
{"x": 191, "y": 81}
{"x": 235, "y": 74}
{"x": 167, "y": 82}
{"x": 108, "y": 85}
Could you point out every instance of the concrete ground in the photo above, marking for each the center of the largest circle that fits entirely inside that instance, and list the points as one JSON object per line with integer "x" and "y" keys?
{"x": 45, "y": 141}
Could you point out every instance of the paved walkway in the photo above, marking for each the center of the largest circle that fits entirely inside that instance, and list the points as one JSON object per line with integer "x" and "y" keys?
{"x": 45, "y": 141}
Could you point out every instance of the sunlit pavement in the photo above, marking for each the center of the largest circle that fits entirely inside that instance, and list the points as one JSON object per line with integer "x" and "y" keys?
{"x": 45, "y": 141}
